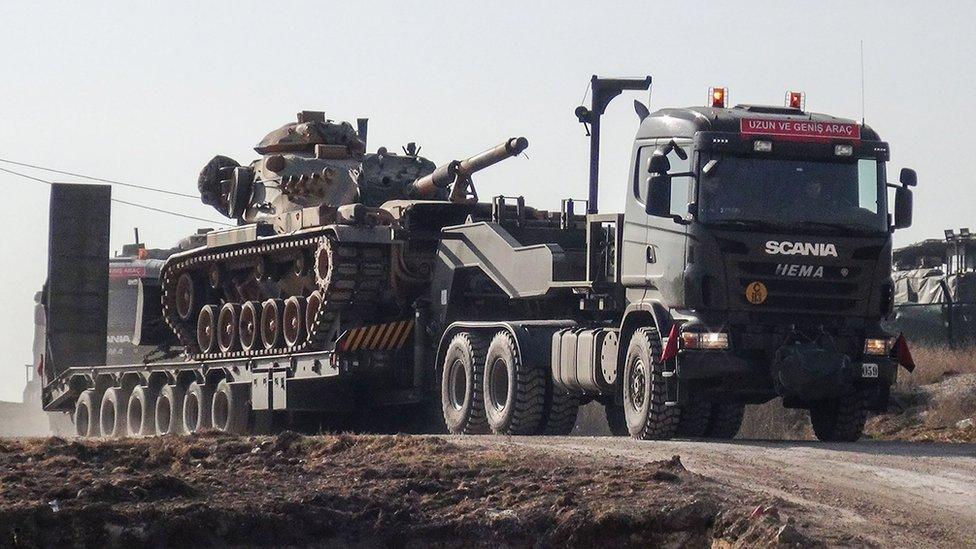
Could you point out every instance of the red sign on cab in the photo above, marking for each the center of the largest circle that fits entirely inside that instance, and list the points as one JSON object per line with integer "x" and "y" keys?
{"x": 800, "y": 129}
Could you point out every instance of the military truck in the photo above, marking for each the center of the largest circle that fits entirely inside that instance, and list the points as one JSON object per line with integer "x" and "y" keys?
{"x": 752, "y": 260}
{"x": 935, "y": 290}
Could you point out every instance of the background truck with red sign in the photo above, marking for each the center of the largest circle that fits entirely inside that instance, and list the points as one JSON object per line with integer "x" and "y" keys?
{"x": 752, "y": 260}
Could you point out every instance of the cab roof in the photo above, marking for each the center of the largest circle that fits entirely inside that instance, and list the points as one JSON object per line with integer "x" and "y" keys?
{"x": 678, "y": 122}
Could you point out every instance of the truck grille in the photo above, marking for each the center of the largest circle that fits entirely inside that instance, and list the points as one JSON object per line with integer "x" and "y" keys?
{"x": 835, "y": 292}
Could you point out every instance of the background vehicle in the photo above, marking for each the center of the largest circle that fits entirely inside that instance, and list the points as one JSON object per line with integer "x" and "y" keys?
{"x": 935, "y": 290}
{"x": 752, "y": 260}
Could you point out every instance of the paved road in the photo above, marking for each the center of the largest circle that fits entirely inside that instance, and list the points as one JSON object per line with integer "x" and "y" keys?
{"x": 895, "y": 493}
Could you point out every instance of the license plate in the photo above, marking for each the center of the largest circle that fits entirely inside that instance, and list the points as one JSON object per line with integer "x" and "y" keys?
{"x": 869, "y": 370}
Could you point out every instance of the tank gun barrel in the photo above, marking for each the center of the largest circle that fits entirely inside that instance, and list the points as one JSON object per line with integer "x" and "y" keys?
{"x": 458, "y": 172}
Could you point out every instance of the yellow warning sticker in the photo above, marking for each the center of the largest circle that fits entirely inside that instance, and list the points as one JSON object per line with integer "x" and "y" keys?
{"x": 756, "y": 293}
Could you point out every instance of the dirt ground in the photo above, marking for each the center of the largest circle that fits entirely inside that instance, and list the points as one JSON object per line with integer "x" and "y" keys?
{"x": 373, "y": 490}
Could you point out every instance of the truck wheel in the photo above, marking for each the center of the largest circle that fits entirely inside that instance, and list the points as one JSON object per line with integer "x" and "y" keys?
{"x": 725, "y": 421}
{"x": 141, "y": 412}
{"x": 840, "y": 420}
{"x": 462, "y": 402}
{"x": 231, "y": 409}
{"x": 86, "y": 414}
{"x": 112, "y": 412}
{"x": 615, "y": 419}
{"x": 648, "y": 417}
{"x": 169, "y": 410}
{"x": 196, "y": 407}
{"x": 696, "y": 415}
{"x": 560, "y": 416}
{"x": 515, "y": 393}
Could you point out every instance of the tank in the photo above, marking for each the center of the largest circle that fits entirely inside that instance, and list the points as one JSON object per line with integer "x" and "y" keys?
{"x": 316, "y": 248}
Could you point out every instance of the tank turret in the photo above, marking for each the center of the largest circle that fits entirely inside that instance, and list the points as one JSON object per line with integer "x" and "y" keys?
{"x": 309, "y": 163}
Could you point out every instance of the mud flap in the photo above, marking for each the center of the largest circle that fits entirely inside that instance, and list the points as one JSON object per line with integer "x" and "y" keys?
{"x": 76, "y": 293}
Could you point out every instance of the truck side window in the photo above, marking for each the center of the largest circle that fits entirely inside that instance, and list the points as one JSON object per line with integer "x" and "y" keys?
{"x": 680, "y": 186}
{"x": 640, "y": 173}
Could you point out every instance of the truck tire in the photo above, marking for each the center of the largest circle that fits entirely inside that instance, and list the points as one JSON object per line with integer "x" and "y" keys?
{"x": 616, "y": 421}
{"x": 840, "y": 420}
{"x": 648, "y": 416}
{"x": 696, "y": 417}
{"x": 725, "y": 420}
{"x": 231, "y": 408}
{"x": 112, "y": 412}
{"x": 169, "y": 410}
{"x": 561, "y": 413}
{"x": 140, "y": 412}
{"x": 196, "y": 407}
{"x": 462, "y": 385}
{"x": 515, "y": 393}
{"x": 86, "y": 414}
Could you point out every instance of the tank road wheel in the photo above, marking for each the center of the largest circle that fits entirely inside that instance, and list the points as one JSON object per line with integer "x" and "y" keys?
{"x": 271, "y": 335}
{"x": 112, "y": 412}
{"x": 169, "y": 410}
{"x": 515, "y": 393}
{"x": 560, "y": 415}
{"x": 462, "y": 402}
{"x": 293, "y": 321}
{"x": 648, "y": 417}
{"x": 616, "y": 421}
{"x": 231, "y": 409}
{"x": 189, "y": 297}
{"x": 840, "y": 420}
{"x": 312, "y": 306}
{"x": 248, "y": 326}
{"x": 227, "y": 324}
{"x": 141, "y": 412}
{"x": 725, "y": 420}
{"x": 207, "y": 329}
{"x": 86, "y": 414}
{"x": 196, "y": 407}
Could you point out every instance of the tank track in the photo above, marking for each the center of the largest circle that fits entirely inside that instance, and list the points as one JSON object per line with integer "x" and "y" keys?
{"x": 356, "y": 276}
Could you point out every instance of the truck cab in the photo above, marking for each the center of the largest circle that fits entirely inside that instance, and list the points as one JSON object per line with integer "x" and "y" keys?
{"x": 760, "y": 238}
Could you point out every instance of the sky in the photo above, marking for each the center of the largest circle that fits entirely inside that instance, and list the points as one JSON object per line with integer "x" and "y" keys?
{"x": 147, "y": 92}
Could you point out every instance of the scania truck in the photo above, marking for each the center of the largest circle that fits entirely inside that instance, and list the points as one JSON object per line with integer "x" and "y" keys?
{"x": 752, "y": 261}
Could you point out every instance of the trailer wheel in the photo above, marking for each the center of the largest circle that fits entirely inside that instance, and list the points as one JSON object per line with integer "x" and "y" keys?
{"x": 141, "y": 412}
{"x": 725, "y": 420}
{"x": 561, "y": 413}
{"x": 196, "y": 407}
{"x": 840, "y": 420}
{"x": 616, "y": 420}
{"x": 462, "y": 403}
{"x": 648, "y": 416}
{"x": 231, "y": 408}
{"x": 169, "y": 410}
{"x": 696, "y": 418}
{"x": 112, "y": 412}
{"x": 86, "y": 414}
{"x": 515, "y": 393}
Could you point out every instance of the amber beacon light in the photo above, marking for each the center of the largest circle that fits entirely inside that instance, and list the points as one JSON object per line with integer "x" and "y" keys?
{"x": 716, "y": 97}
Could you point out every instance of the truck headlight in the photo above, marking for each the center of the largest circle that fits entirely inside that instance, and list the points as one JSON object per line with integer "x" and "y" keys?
{"x": 877, "y": 346}
{"x": 704, "y": 340}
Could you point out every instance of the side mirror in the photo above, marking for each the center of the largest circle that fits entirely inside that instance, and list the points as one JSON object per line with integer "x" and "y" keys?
{"x": 908, "y": 177}
{"x": 659, "y": 194}
{"x": 903, "y": 206}
{"x": 659, "y": 163}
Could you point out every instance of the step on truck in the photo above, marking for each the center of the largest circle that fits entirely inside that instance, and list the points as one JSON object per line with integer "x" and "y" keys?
{"x": 752, "y": 261}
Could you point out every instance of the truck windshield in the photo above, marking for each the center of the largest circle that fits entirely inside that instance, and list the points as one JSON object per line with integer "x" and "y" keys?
{"x": 792, "y": 194}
